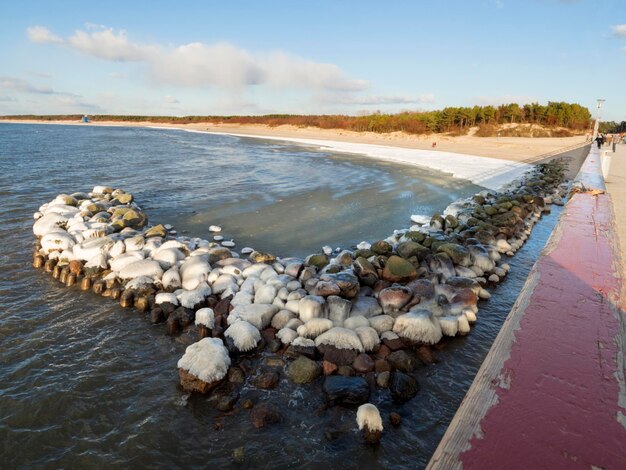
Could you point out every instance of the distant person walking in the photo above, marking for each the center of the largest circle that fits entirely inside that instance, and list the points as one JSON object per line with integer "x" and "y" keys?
{"x": 599, "y": 141}
{"x": 614, "y": 142}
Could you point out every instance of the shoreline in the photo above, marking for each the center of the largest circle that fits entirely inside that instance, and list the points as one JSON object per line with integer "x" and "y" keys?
{"x": 486, "y": 161}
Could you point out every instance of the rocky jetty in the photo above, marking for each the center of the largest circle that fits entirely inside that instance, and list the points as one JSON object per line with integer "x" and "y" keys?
{"x": 358, "y": 319}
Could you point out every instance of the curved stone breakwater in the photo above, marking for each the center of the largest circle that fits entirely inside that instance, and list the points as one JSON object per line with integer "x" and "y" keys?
{"x": 363, "y": 318}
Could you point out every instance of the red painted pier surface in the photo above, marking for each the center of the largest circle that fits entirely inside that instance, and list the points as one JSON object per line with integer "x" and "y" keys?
{"x": 551, "y": 391}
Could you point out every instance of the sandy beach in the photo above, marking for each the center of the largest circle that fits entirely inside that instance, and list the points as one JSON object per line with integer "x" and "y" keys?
{"x": 491, "y": 162}
{"x": 505, "y": 148}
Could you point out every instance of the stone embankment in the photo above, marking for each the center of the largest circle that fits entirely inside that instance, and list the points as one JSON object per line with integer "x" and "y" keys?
{"x": 362, "y": 318}
{"x": 551, "y": 392}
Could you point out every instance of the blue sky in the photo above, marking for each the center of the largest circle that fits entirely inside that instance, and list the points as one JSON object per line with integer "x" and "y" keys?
{"x": 195, "y": 57}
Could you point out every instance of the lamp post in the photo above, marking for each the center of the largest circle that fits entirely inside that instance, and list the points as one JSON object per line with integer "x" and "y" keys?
{"x": 597, "y": 124}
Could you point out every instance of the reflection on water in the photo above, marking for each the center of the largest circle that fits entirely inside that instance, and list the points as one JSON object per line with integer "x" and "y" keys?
{"x": 86, "y": 384}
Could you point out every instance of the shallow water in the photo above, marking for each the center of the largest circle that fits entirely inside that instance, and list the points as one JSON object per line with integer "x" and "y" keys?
{"x": 84, "y": 383}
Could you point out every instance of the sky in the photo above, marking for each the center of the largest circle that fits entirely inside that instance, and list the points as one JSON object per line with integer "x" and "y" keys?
{"x": 308, "y": 57}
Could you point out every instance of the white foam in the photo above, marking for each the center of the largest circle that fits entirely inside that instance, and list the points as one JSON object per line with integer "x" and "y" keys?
{"x": 483, "y": 171}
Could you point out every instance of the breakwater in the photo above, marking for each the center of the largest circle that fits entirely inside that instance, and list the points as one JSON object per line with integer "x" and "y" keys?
{"x": 88, "y": 382}
{"x": 363, "y": 318}
{"x": 556, "y": 368}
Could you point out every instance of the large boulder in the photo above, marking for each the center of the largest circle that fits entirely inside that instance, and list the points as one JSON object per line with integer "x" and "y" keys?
{"x": 366, "y": 307}
{"x": 349, "y": 391}
{"x": 457, "y": 253}
{"x": 419, "y": 326}
{"x": 399, "y": 270}
{"x": 338, "y": 309}
{"x": 303, "y": 370}
{"x": 203, "y": 365}
{"x": 403, "y": 387}
{"x": 393, "y": 298}
{"x": 365, "y": 271}
{"x": 265, "y": 413}
{"x": 402, "y": 361}
{"x": 144, "y": 267}
{"x": 242, "y": 337}
{"x": 259, "y": 315}
{"x": 411, "y": 248}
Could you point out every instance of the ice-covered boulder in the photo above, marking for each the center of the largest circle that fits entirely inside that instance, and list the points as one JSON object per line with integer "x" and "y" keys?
{"x": 144, "y": 267}
{"x": 420, "y": 326}
{"x": 194, "y": 271}
{"x": 259, "y": 315}
{"x": 243, "y": 336}
{"x": 57, "y": 241}
{"x": 341, "y": 338}
{"x": 314, "y": 327}
{"x": 203, "y": 365}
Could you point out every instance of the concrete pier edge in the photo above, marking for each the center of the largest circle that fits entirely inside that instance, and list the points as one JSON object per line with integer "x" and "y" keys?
{"x": 551, "y": 391}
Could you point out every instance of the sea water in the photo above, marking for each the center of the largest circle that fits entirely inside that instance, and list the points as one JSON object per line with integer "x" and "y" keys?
{"x": 86, "y": 384}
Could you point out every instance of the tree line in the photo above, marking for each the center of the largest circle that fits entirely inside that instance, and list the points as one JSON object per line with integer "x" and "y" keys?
{"x": 612, "y": 127}
{"x": 450, "y": 119}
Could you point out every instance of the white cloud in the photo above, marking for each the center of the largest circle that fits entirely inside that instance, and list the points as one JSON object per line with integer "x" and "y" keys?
{"x": 7, "y": 98}
{"x": 23, "y": 86}
{"x": 109, "y": 45}
{"x": 42, "y": 34}
{"x": 220, "y": 65}
{"x": 365, "y": 100}
{"x": 503, "y": 99}
{"x": 170, "y": 100}
{"x": 619, "y": 30}
{"x": 18, "y": 84}
{"x": 40, "y": 74}
{"x": 117, "y": 75}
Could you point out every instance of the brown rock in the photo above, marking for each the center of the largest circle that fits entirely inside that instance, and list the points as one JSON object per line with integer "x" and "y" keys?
{"x": 76, "y": 267}
{"x": 191, "y": 383}
{"x": 264, "y": 414}
{"x": 380, "y": 365}
{"x": 382, "y": 379}
{"x": 211, "y": 301}
{"x": 247, "y": 404}
{"x": 394, "y": 344}
{"x": 49, "y": 265}
{"x": 383, "y": 351}
{"x": 142, "y": 304}
{"x": 426, "y": 355}
{"x": 380, "y": 286}
{"x": 341, "y": 357}
{"x": 423, "y": 287}
{"x": 363, "y": 364}
{"x": 70, "y": 280}
{"x": 329, "y": 368}
{"x": 346, "y": 371}
{"x": 402, "y": 361}
{"x": 267, "y": 380}
{"x": 268, "y": 334}
{"x": 326, "y": 288}
{"x": 223, "y": 306}
{"x": 236, "y": 375}
{"x": 393, "y": 298}
{"x": 395, "y": 419}
{"x": 98, "y": 287}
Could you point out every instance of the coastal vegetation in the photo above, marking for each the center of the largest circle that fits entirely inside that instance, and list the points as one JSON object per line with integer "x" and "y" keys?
{"x": 612, "y": 127}
{"x": 566, "y": 118}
